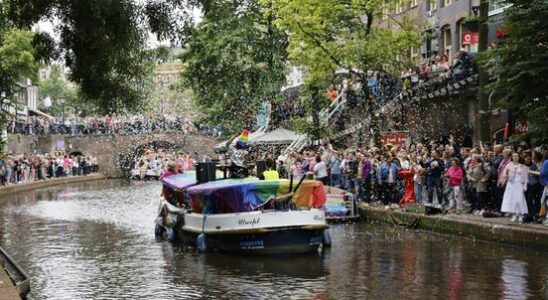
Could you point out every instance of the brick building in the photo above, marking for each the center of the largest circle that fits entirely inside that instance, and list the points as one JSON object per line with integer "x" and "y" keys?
{"x": 447, "y": 26}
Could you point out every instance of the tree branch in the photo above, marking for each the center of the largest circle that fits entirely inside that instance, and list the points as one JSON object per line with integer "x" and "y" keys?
{"x": 321, "y": 46}
{"x": 391, "y": 17}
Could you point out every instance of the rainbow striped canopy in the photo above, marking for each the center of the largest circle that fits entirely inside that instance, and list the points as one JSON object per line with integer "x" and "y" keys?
{"x": 241, "y": 195}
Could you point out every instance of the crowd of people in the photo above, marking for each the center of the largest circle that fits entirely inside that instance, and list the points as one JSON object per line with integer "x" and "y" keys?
{"x": 485, "y": 180}
{"x": 16, "y": 169}
{"x": 439, "y": 67}
{"x": 109, "y": 124}
{"x": 153, "y": 164}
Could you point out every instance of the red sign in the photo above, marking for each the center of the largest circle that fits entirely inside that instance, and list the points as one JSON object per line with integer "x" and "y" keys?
{"x": 394, "y": 138}
{"x": 470, "y": 38}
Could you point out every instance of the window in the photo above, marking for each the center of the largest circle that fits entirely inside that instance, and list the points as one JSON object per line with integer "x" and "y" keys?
{"x": 497, "y": 6}
{"x": 447, "y": 2}
{"x": 414, "y": 3}
{"x": 399, "y": 6}
{"x": 385, "y": 11}
{"x": 430, "y": 5}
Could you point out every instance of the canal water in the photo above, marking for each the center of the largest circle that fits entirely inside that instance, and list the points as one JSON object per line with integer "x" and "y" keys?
{"x": 95, "y": 240}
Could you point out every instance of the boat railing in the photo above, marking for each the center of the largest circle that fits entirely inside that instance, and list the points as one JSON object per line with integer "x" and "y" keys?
{"x": 19, "y": 277}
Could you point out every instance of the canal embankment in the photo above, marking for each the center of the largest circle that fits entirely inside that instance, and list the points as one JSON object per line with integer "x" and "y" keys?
{"x": 496, "y": 229}
{"x": 16, "y": 188}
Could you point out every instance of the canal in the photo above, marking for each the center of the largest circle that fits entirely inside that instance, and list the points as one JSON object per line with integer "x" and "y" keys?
{"x": 95, "y": 240}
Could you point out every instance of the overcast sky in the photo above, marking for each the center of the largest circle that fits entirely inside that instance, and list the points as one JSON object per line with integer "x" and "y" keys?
{"x": 49, "y": 27}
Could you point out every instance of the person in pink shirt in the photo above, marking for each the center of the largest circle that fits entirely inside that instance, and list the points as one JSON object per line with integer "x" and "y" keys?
{"x": 171, "y": 170}
{"x": 67, "y": 164}
{"x": 454, "y": 177}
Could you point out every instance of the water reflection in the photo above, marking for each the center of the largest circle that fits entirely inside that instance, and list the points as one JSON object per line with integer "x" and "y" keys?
{"x": 514, "y": 278}
{"x": 95, "y": 241}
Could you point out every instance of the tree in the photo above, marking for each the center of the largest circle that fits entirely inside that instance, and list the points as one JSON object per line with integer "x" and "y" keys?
{"x": 104, "y": 42}
{"x": 56, "y": 88}
{"x": 359, "y": 35}
{"x": 17, "y": 61}
{"x": 234, "y": 61}
{"x": 521, "y": 65}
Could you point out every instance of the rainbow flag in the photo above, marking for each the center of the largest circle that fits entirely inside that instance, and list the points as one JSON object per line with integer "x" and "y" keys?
{"x": 241, "y": 195}
{"x": 244, "y": 137}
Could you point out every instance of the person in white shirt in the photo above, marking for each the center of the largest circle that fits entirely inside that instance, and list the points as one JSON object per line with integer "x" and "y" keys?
{"x": 320, "y": 171}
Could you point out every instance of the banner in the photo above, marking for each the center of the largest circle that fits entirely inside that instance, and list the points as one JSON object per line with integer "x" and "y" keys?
{"x": 394, "y": 138}
{"x": 470, "y": 38}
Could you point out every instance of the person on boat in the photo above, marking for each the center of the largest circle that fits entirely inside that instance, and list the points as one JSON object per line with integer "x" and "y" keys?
{"x": 171, "y": 170}
{"x": 270, "y": 173}
{"x": 239, "y": 156}
{"x": 166, "y": 192}
{"x": 320, "y": 171}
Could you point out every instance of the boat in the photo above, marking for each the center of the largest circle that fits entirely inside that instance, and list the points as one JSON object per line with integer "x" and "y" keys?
{"x": 249, "y": 216}
{"x": 340, "y": 205}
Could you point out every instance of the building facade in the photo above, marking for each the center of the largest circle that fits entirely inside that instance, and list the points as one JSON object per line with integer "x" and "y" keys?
{"x": 167, "y": 98}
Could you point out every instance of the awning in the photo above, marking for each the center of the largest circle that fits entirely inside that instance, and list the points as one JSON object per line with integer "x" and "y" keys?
{"x": 277, "y": 136}
{"x": 39, "y": 113}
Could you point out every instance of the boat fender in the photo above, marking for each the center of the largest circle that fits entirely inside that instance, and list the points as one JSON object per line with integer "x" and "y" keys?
{"x": 172, "y": 234}
{"x": 201, "y": 242}
{"x": 326, "y": 239}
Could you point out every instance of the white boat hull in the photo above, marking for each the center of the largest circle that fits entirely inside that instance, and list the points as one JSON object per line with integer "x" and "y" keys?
{"x": 256, "y": 232}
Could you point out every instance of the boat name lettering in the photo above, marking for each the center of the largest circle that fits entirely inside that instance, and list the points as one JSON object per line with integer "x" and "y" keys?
{"x": 244, "y": 222}
{"x": 250, "y": 245}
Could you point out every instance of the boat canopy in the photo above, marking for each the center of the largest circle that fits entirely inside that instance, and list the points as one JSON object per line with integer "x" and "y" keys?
{"x": 242, "y": 195}
{"x": 180, "y": 181}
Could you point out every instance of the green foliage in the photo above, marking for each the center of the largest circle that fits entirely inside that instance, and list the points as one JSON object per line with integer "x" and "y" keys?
{"x": 358, "y": 35}
{"x": 104, "y": 43}
{"x": 333, "y": 34}
{"x": 302, "y": 125}
{"x": 235, "y": 60}
{"x": 17, "y": 61}
{"x": 521, "y": 65}
{"x": 57, "y": 88}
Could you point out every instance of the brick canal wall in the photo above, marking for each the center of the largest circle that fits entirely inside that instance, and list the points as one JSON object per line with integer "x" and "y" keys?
{"x": 108, "y": 147}
{"x": 499, "y": 230}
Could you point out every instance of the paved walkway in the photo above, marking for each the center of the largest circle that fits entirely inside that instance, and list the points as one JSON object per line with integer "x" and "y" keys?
{"x": 7, "y": 290}
{"x": 496, "y": 229}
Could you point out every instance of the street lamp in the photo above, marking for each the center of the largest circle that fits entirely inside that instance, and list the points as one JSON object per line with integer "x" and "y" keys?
{"x": 475, "y": 6}
{"x": 475, "y": 9}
